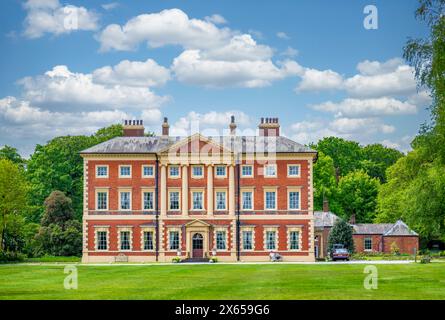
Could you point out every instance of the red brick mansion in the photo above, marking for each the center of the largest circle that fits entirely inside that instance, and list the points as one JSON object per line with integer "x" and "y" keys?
{"x": 234, "y": 197}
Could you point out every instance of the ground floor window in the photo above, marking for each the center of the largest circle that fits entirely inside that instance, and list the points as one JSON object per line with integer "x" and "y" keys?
{"x": 294, "y": 240}
{"x": 220, "y": 240}
{"x": 247, "y": 240}
{"x": 174, "y": 240}
{"x": 102, "y": 243}
{"x": 148, "y": 240}
{"x": 125, "y": 240}
{"x": 368, "y": 243}
{"x": 271, "y": 240}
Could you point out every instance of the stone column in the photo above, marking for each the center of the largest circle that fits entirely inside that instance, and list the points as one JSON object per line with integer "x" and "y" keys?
{"x": 210, "y": 189}
{"x": 231, "y": 190}
{"x": 163, "y": 190}
{"x": 185, "y": 190}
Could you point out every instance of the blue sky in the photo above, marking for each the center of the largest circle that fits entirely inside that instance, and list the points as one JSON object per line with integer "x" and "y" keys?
{"x": 70, "y": 67}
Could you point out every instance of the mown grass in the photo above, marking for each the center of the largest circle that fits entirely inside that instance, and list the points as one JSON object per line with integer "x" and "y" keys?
{"x": 219, "y": 281}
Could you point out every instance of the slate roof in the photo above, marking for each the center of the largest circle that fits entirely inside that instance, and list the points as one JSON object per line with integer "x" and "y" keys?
{"x": 324, "y": 219}
{"x": 249, "y": 144}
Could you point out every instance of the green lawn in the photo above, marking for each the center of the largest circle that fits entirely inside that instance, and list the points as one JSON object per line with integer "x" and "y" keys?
{"x": 219, "y": 281}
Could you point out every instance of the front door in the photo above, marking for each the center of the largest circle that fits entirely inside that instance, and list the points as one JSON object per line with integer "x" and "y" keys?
{"x": 197, "y": 246}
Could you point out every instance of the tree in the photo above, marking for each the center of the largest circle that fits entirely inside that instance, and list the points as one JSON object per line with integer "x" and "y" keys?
{"x": 60, "y": 234}
{"x": 13, "y": 196}
{"x": 377, "y": 158}
{"x": 357, "y": 195}
{"x": 341, "y": 233}
{"x": 345, "y": 154}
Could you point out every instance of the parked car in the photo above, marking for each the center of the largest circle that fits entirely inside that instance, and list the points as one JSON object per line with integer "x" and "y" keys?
{"x": 339, "y": 252}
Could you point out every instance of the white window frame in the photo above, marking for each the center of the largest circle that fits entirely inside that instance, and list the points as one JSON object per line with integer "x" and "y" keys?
{"x": 364, "y": 243}
{"x": 178, "y": 230}
{"x": 125, "y": 165}
{"x": 289, "y": 165}
{"x": 247, "y": 176}
{"x": 216, "y": 171}
{"x": 103, "y": 166}
{"x": 293, "y": 189}
{"x": 248, "y": 229}
{"x": 265, "y": 239}
{"x": 294, "y": 229}
{"x": 147, "y": 166}
{"x": 195, "y": 176}
{"x": 216, "y": 199}
{"x": 242, "y": 199}
{"x": 266, "y": 190}
{"x": 148, "y": 229}
{"x": 98, "y": 229}
{"x": 192, "y": 191}
{"x": 147, "y": 190}
{"x": 100, "y": 190}
{"x": 179, "y": 199}
{"x": 169, "y": 171}
{"x": 265, "y": 170}
{"x": 120, "y": 199}
{"x": 130, "y": 240}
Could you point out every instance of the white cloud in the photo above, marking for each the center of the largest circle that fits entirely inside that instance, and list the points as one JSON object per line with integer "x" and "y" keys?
{"x": 282, "y": 35}
{"x": 367, "y": 107}
{"x": 133, "y": 73}
{"x": 49, "y": 16}
{"x": 168, "y": 27}
{"x": 110, "y": 6}
{"x": 216, "y": 19}
{"x": 62, "y": 88}
{"x": 190, "y": 67}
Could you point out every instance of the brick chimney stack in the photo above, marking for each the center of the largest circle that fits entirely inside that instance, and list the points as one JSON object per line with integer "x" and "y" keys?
{"x": 133, "y": 128}
{"x": 232, "y": 126}
{"x": 165, "y": 127}
{"x": 269, "y": 127}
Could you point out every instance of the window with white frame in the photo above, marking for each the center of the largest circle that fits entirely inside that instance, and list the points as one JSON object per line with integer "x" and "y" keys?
{"x": 294, "y": 200}
{"x": 102, "y": 171}
{"x": 220, "y": 171}
{"x": 102, "y": 240}
{"x": 293, "y": 170}
{"x": 125, "y": 171}
{"x": 271, "y": 200}
{"x": 147, "y": 171}
{"x": 197, "y": 171}
{"x": 294, "y": 240}
{"x": 221, "y": 240}
{"x": 247, "y": 171}
{"x": 271, "y": 243}
{"x": 247, "y": 197}
{"x": 148, "y": 240}
{"x": 173, "y": 171}
{"x": 125, "y": 200}
{"x": 174, "y": 200}
{"x": 247, "y": 240}
{"x": 173, "y": 240}
{"x": 125, "y": 240}
{"x": 102, "y": 200}
{"x": 270, "y": 170}
{"x": 220, "y": 200}
{"x": 148, "y": 197}
{"x": 197, "y": 197}
{"x": 368, "y": 244}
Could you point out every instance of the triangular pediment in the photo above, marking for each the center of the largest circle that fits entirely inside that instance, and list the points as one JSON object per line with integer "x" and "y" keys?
{"x": 196, "y": 144}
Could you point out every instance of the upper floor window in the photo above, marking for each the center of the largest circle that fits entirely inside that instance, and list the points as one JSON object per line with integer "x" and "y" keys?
{"x": 271, "y": 200}
{"x": 197, "y": 171}
{"x": 221, "y": 171}
{"x": 125, "y": 171}
{"x": 125, "y": 200}
{"x": 147, "y": 171}
{"x": 293, "y": 170}
{"x": 247, "y": 171}
{"x": 368, "y": 244}
{"x": 247, "y": 197}
{"x": 102, "y": 200}
{"x": 102, "y": 171}
{"x": 220, "y": 200}
{"x": 220, "y": 240}
{"x": 270, "y": 170}
{"x": 197, "y": 200}
{"x": 294, "y": 200}
{"x": 174, "y": 171}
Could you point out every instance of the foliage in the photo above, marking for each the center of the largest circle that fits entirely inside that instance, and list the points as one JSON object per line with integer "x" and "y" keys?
{"x": 341, "y": 233}
{"x": 357, "y": 195}
{"x": 13, "y": 197}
